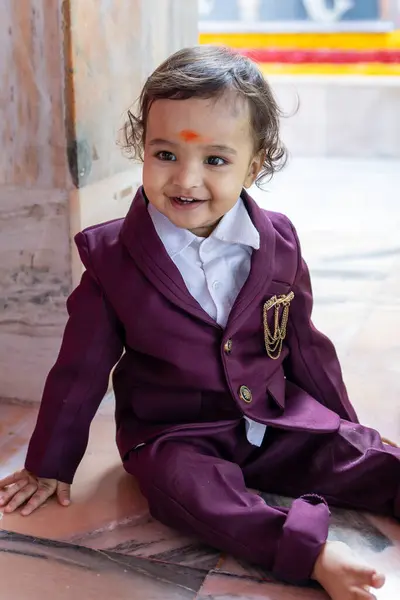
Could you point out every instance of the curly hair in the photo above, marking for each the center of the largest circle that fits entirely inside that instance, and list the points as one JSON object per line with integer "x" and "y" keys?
{"x": 209, "y": 72}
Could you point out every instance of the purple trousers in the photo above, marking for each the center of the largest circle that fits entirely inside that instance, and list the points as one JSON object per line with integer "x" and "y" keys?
{"x": 198, "y": 485}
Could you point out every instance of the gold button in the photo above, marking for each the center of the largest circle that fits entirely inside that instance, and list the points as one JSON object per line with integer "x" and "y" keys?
{"x": 228, "y": 347}
{"x": 245, "y": 394}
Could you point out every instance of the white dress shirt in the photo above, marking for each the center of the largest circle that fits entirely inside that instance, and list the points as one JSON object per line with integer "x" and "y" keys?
{"x": 215, "y": 268}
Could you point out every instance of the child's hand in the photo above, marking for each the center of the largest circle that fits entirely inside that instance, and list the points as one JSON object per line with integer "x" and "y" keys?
{"x": 16, "y": 489}
{"x": 343, "y": 576}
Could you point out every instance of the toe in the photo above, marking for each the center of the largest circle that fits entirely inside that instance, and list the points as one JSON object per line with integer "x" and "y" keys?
{"x": 360, "y": 594}
{"x": 378, "y": 580}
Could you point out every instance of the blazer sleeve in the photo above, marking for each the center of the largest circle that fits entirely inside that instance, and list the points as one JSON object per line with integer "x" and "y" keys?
{"x": 312, "y": 363}
{"x": 91, "y": 346}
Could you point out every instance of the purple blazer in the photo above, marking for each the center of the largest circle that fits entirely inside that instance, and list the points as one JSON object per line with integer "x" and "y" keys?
{"x": 177, "y": 368}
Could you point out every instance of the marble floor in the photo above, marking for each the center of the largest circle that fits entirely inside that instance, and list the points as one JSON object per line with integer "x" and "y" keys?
{"x": 106, "y": 545}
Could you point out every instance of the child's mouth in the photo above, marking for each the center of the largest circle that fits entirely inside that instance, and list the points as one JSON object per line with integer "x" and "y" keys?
{"x": 184, "y": 201}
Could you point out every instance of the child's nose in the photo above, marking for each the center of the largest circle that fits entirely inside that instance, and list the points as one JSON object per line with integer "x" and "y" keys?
{"x": 188, "y": 176}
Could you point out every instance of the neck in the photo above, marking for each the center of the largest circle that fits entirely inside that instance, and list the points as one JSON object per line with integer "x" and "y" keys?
{"x": 205, "y": 231}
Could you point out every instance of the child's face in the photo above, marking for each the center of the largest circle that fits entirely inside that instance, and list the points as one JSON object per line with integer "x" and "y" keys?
{"x": 201, "y": 150}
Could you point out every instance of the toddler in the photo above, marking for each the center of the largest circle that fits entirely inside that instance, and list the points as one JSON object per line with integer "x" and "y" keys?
{"x": 203, "y": 301}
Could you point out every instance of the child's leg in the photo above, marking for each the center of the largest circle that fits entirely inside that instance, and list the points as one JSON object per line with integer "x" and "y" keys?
{"x": 191, "y": 488}
{"x": 351, "y": 468}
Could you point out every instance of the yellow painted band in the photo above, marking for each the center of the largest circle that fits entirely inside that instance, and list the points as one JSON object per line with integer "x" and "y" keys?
{"x": 371, "y": 69}
{"x": 329, "y": 41}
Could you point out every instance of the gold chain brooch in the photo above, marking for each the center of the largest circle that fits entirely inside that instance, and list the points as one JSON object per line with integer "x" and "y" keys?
{"x": 274, "y": 342}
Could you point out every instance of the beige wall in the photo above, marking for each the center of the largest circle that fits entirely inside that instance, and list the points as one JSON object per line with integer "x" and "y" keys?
{"x": 342, "y": 116}
{"x": 69, "y": 70}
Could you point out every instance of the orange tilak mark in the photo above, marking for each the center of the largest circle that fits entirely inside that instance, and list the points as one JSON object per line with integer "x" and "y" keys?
{"x": 189, "y": 136}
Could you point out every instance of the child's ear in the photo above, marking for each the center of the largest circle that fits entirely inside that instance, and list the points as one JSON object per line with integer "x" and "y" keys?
{"x": 254, "y": 168}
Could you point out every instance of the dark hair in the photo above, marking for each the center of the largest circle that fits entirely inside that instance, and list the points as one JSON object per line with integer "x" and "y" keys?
{"x": 208, "y": 72}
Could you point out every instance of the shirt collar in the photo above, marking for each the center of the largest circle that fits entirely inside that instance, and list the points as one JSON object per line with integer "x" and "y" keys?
{"x": 175, "y": 239}
{"x": 235, "y": 227}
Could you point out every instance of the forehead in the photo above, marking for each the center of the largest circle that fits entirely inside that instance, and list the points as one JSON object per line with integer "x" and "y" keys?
{"x": 223, "y": 119}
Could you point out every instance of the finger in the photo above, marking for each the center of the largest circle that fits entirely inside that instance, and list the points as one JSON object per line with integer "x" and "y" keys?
{"x": 10, "y": 492}
{"x": 13, "y": 478}
{"x": 21, "y": 497}
{"x": 64, "y": 493}
{"x": 42, "y": 494}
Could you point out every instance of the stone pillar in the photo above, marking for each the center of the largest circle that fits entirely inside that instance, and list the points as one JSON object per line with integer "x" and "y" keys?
{"x": 69, "y": 69}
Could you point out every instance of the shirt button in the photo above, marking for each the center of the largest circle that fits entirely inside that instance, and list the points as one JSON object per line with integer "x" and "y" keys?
{"x": 216, "y": 285}
{"x": 228, "y": 346}
{"x": 245, "y": 394}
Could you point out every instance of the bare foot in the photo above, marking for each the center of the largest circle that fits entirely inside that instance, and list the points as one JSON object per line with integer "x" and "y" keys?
{"x": 343, "y": 576}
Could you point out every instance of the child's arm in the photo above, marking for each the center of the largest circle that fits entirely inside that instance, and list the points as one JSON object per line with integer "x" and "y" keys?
{"x": 92, "y": 344}
{"x": 77, "y": 383}
{"x": 312, "y": 362}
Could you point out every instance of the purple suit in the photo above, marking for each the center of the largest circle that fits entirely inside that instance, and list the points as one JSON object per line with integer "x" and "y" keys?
{"x": 180, "y": 397}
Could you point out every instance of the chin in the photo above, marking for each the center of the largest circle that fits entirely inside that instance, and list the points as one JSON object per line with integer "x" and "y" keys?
{"x": 186, "y": 224}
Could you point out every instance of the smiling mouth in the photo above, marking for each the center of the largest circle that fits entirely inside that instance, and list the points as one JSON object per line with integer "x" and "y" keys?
{"x": 183, "y": 200}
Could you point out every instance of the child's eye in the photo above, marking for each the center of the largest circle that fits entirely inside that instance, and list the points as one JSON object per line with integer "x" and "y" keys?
{"x": 215, "y": 161}
{"x": 165, "y": 155}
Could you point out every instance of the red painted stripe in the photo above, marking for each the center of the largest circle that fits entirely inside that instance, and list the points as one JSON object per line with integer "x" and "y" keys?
{"x": 299, "y": 56}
